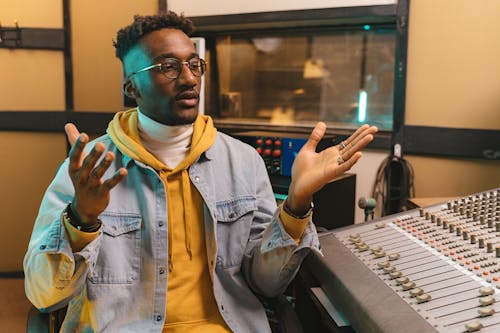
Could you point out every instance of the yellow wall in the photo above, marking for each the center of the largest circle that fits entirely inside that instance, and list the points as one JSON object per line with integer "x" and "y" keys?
{"x": 32, "y": 13}
{"x": 31, "y": 80}
{"x": 453, "y": 81}
{"x": 97, "y": 72}
{"x": 29, "y": 162}
{"x": 454, "y": 64}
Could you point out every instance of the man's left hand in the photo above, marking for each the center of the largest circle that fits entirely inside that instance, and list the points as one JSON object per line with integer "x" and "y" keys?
{"x": 311, "y": 171}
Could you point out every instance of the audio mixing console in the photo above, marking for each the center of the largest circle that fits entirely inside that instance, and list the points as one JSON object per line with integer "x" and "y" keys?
{"x": 442, "y": 263}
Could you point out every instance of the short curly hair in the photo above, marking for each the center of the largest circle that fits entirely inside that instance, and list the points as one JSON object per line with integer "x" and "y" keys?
{"x": 127, "y": 37}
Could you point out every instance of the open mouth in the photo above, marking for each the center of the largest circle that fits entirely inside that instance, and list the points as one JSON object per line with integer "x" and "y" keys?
{"x": 187, "y": 98}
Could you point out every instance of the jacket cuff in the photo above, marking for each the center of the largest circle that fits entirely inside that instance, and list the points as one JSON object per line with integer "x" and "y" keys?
{"x": 293, "y": 226}
{"x": 79, "y": 239}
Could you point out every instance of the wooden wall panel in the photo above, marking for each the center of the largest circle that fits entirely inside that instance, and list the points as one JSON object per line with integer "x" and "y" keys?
{"x": 97, "y": 72}
{"x": 29, "y": 162}
{"x": 31, "y": 80}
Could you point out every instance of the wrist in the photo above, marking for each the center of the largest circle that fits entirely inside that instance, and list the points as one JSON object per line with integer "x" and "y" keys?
{"x": 296, "y": 204}
{"x": 298, "y": 214}
{"x": 71, "y": 217}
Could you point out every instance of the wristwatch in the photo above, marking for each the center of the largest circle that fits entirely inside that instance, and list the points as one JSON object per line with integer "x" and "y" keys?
{"x": 69, "y": 217}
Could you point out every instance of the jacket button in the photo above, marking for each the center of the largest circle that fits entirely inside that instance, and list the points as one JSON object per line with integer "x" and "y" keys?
{"x": 43, "y": 247}
{"x": 158, "y": 318}
{"x": 160, "y": 224}
{"x": 162, "y": 271}
{"x": 196, "y": 179}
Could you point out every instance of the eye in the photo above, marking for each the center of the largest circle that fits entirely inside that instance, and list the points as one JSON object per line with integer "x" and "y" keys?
{"x": 169, "y": 66}
{"x": 194, "y": 63}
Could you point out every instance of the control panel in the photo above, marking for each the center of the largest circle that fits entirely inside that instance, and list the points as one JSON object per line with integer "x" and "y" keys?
{"x": 278, "y": 153}
{"x": 442, "y": 260}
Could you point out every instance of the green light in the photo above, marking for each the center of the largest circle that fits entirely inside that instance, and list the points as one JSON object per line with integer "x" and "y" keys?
{"x": 362, "y": 101}
{"x": 280, "y": 196}
{"x": 367, "y": 27}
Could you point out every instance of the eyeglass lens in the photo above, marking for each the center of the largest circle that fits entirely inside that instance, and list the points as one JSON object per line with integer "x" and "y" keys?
{"x": 172, "y": 67}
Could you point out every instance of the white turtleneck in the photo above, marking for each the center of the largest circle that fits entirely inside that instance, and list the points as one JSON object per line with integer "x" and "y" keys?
{"x": 169, "y": 144}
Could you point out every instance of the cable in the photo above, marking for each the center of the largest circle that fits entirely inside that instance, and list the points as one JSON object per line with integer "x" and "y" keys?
{"x": 394, "y": 185}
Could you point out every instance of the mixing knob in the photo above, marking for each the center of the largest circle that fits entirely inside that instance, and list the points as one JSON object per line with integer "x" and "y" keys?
{"x": 423, "y": 298}
{"x": 415, "y": 292}
{"x": 481, "y": 243}
{"x": 486, "y": 300}
{"x": 486, "y": 291}
{"x": 408, "y": 285}
{"x": 473, "y": 326}
{"x": 394, "y": 256}
{"x": 402, "y": 280}
{"x": 489, "y": 247}
{"x": 487, "y": 311}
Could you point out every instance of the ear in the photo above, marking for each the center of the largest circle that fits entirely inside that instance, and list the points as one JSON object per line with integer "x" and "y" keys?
{"x": 130, "y": 90}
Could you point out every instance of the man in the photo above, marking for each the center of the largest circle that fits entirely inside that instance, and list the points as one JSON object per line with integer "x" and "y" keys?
{"x": 165, "y": 224}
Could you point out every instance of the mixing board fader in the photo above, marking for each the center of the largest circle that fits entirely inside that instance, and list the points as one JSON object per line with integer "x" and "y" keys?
{"x": 442, "y": 260}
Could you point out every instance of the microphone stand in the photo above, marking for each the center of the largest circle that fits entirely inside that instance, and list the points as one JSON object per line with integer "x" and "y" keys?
{"x": 369, "y": 211}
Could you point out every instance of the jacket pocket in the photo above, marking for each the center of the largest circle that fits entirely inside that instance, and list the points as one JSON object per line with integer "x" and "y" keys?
{"x": 119, "y": 255}
{"x": 234, "y": 222}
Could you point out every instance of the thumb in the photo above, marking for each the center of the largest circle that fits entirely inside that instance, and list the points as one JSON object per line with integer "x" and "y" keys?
{"x": 316, "y": 135}
{"x": 71, "y": 132}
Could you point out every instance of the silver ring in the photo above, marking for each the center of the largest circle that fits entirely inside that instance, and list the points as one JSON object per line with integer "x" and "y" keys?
{"x": 340, "y": 159}
{"x": 342, "y": 145}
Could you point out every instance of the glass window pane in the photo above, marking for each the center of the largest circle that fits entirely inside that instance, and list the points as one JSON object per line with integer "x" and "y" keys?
{"x": 342, "y": 77}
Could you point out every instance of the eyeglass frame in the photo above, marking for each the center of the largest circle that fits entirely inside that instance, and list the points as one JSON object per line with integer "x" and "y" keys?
{"x": 203, "y": 65}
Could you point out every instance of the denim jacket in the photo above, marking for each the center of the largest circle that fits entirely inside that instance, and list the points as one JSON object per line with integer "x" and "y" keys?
{"x": 120, "y": 278}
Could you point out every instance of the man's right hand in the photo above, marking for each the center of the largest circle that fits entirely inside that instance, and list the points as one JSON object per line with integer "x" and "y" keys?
{"x": 91, "y": 192}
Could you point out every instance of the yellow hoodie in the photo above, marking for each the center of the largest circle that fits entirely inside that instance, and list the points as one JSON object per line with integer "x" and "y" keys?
{"x": 191, "y": 303}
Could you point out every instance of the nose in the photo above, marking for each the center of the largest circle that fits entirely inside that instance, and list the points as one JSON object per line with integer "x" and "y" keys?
{"x": 186, "y": 76}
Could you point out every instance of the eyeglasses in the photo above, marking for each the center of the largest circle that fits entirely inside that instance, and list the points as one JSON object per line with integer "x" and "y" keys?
{"x": 172, "y": 67}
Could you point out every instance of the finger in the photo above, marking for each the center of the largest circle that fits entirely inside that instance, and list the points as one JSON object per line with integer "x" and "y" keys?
{"x": 99, "y": 171}
{"x": 347, "y": 165}
{"x": 363, "y": 142}
{"x": 316, "y": 135}
{"x": 72, "y": 133}
{"x": 353, "y": 136}
{"x": 359, "y": 135}
{"x": 76, "y": 153}
{"x": 113, "y": 181}
{"x": 90, "y": 161}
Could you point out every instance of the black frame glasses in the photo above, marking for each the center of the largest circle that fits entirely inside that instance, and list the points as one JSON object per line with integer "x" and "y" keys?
{"x": 172, "y": 67}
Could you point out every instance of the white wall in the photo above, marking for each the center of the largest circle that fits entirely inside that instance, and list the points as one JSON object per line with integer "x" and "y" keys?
{"x": 202, "y": 7}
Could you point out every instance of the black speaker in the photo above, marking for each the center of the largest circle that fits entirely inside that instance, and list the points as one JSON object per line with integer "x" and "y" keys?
{"x": 334, "y": 204}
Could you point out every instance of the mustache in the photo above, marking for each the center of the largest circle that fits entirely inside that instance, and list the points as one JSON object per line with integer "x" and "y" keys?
{"x": 187, "y": 94}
